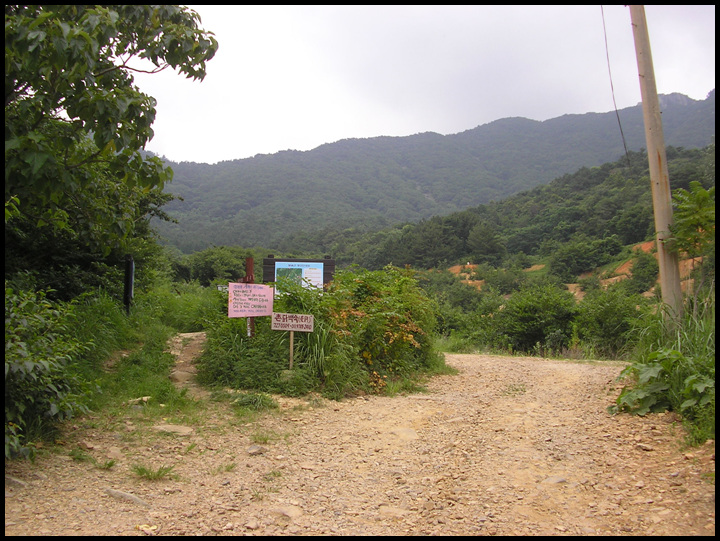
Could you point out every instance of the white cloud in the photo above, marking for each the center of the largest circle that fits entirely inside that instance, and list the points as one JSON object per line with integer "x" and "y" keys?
{"x": 296, "y": 77}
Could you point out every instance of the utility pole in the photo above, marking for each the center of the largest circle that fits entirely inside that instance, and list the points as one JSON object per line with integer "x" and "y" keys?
{"x": 659, "y": 178}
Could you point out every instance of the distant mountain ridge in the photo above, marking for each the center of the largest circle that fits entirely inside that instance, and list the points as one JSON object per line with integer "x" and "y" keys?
{"x": 377, "y": 182}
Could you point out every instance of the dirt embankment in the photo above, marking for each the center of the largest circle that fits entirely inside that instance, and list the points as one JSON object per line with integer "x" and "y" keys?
{"x": 622, "y": 272}
{"x": 509, "y": 446}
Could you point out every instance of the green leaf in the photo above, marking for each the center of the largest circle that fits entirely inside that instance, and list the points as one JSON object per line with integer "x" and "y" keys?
{"x": 649, "y": 372}
{"x": 37, "y": 160}
{"x": 688, "y": 403}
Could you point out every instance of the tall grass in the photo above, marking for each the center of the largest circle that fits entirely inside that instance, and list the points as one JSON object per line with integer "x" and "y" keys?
{"x": 674, "y": 367}
{"x": 64, "y": 358}
{"x": 144, "y": 368}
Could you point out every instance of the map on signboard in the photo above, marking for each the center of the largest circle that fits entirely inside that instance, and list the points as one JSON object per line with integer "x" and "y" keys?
{"x": 300, "y": 272}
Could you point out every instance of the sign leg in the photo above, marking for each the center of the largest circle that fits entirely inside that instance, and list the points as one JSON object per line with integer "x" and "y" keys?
{"x": 292, "y": 338}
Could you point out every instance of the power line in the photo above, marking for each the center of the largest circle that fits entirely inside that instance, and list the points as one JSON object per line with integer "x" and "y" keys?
{"x": 612, "y": 88}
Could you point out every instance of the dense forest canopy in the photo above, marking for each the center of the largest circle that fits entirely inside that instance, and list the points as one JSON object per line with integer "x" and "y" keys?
{"x": 375, "y": 183}
{"x": 594, "y": 203}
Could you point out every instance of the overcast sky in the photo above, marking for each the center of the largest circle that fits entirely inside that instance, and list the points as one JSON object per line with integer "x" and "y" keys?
{"x": 296, "y": 77}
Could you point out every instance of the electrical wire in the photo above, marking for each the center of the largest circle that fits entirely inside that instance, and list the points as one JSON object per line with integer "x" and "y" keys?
{"x": 612, "y": 88}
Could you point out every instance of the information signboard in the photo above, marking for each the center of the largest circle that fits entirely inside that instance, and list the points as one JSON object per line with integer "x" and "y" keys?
{"x": 307, "y": 272}
{"x": 249, "y": 300}
{"x": 301, "y": 272}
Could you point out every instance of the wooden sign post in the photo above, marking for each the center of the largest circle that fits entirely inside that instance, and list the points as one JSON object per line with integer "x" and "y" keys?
{"x": 250, "y": 279}
{"x": 292, "y": 323}
{"x": 292, "y": 339}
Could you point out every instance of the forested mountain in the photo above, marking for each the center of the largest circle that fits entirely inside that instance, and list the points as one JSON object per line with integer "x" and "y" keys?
{"x": 597, "y": 209}
{"x": 371, "y": 184}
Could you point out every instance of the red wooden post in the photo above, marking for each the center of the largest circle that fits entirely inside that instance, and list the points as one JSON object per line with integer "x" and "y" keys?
{"x": 250, "y": 279}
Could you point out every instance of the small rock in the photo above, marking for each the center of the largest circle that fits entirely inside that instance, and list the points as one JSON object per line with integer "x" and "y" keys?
{"x": 120, "y": 495}
{"x": 175, "y": 429}
{"x": 555, "y": 480}
{"x": 645, "y": 447}
{"x": 289, "y": 511}
{"x": 389, "y": 511}
{"x": 15, "y": 482}
{"x": 147, "y": 529}
{"x": 255, "y": 450}
{"x": 181, "y": 376}
{"x": 405, "y": 433}
{"x": 134, "y": 401}
{"x": 114, "y": 453}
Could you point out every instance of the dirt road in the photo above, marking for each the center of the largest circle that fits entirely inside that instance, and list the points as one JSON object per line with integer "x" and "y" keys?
{"x": 509, "y": 446}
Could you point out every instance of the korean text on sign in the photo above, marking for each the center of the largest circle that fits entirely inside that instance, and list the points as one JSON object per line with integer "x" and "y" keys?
{"x": 292, "y": 322}
{"x": 249, "y": 300}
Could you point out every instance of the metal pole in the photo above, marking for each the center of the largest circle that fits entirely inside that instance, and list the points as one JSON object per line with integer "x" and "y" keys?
{"x": 128, "y": 290}
{"x": 659, "y": 178}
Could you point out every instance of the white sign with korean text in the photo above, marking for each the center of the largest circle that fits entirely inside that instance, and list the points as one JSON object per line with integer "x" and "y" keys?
{"x": 292, "y": 322}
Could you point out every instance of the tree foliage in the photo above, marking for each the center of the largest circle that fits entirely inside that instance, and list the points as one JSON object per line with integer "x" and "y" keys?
{"x": 583, "y": 255}
{"x": 222, "y": 263}
{"x": 330, "y": 193}
{"x": 79, "y": 190}
{"x": 40, "y": 385}
{"x": 694, "y": 219}
{"x": 610, "y": 204}
{"x": 74, "y": 121}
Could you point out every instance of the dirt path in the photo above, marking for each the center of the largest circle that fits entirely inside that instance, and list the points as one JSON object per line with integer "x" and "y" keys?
{"x": 509, "y": 446}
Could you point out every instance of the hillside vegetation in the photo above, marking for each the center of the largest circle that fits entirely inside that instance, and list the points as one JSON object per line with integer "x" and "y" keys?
{"x": 374, "y": 183}
{"x": 576, "y": 223}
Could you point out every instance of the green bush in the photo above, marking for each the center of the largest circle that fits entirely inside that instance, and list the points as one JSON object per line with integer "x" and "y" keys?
{"x": 232, "y": 358}
{"x": 368, "y": 326}
{"x": 538, "y": 319}
{"x": 674, "y": 369}
{"x": 582, "y": 255}
{"x": 482, "y": 329}
{"x": 41, "y": 380}
{"x": 101, "y": 324}
{"x": 387, "y": 318}
{"x": 606, "y": 318}
{"x": 645, "y": 271}
{"x": 455, "y": 300}
{"x": 184, "y": 306}
{"x": 505, "y": 281}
